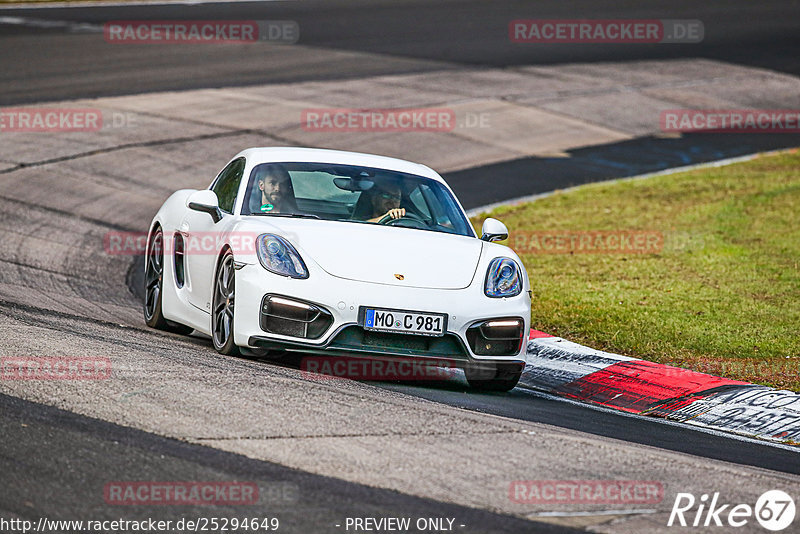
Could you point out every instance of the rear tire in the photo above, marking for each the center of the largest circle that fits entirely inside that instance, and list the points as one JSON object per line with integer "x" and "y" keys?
{"x": 223, "y": 306}
{"x": 154, "y": 285}
{"x": 500, "y": 377}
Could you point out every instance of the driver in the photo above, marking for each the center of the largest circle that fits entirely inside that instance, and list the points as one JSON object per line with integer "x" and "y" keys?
{"x": 276, "y": 190}
{"x": 385, "y": 201}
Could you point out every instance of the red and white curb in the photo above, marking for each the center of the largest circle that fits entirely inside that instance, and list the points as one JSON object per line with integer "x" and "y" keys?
{"x": 561, "y": 367}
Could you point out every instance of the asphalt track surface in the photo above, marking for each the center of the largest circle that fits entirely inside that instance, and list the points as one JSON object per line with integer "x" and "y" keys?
{"x": 51, "y": 64}
{"x": 643, "y": 155}
{"x": 405, "y": 35}
{"x": 533, "y": 406}
{"x": 99, "y": 451}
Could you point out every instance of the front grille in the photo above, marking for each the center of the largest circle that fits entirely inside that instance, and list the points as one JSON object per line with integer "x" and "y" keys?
{"x": 354, "y": 338}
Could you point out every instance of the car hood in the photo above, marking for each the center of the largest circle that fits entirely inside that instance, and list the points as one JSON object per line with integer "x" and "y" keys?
{"x": 385, "y": 255}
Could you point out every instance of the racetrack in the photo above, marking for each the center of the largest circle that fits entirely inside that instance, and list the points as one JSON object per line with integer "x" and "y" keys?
{"x": 345, "y": 39}
{"x": 174, "y": 409}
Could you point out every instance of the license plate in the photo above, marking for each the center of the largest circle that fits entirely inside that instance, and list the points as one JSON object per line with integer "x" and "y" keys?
{"x": 404, "y": 321}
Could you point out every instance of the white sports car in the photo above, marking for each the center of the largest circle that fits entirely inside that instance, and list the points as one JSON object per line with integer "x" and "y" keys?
{"x": 342, "y": 254}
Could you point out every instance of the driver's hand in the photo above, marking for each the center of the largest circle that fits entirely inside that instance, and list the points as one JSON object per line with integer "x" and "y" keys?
{"x": 395, "y": 213}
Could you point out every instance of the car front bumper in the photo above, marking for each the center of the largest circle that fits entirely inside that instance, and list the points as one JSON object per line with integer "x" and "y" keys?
{"x": 342, "y": 299}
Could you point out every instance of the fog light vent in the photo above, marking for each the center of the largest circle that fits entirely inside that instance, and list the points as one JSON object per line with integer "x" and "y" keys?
{"x": 497, "y": 337}
{"x": 290, "y": 317}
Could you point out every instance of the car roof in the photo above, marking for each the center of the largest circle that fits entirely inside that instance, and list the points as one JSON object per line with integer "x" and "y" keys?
{"x": 256, "y": 156}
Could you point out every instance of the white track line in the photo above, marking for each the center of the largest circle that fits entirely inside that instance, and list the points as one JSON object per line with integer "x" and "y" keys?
{"x": 71, "y": 25}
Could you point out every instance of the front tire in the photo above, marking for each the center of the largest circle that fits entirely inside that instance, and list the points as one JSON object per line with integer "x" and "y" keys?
{"x": 501, "y": 377}
{"x": 222, "y": 308}
{"x": 154, "y": 285}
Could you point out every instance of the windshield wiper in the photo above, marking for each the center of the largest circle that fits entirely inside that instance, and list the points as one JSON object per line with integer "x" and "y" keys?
{"x": 293, "y": 215}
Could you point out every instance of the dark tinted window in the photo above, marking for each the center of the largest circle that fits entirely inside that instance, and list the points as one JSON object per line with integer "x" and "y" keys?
{"x": 227, "y": 184}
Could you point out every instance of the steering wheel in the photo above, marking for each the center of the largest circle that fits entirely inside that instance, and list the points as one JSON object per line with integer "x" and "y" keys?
{"x": 415, "y": 220}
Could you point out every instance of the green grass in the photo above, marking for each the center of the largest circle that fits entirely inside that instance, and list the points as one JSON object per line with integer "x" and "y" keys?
{"x": 722, "y": 295}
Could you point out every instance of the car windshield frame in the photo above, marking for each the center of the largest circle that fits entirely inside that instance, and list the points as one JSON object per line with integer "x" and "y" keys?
{"x": 430, "y": 205}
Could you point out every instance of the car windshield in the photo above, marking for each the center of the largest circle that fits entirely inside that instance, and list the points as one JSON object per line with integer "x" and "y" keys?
{"x": 354, "y": 194}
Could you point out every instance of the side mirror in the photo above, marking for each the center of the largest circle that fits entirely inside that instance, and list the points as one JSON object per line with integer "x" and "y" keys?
{"x": 207, "y": 202}
{"x": 493, "y": 230}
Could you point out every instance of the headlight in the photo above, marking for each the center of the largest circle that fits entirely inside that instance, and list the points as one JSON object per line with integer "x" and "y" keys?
{"x": 278, "y": 256}
{"x": 503, "y": 279}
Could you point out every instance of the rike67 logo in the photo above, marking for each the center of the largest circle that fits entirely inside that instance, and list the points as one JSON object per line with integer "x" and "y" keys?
{"x": 774, "y": 510}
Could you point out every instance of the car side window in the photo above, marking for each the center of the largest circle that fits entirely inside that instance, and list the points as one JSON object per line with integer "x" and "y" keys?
{"x": 226, "y": 186}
